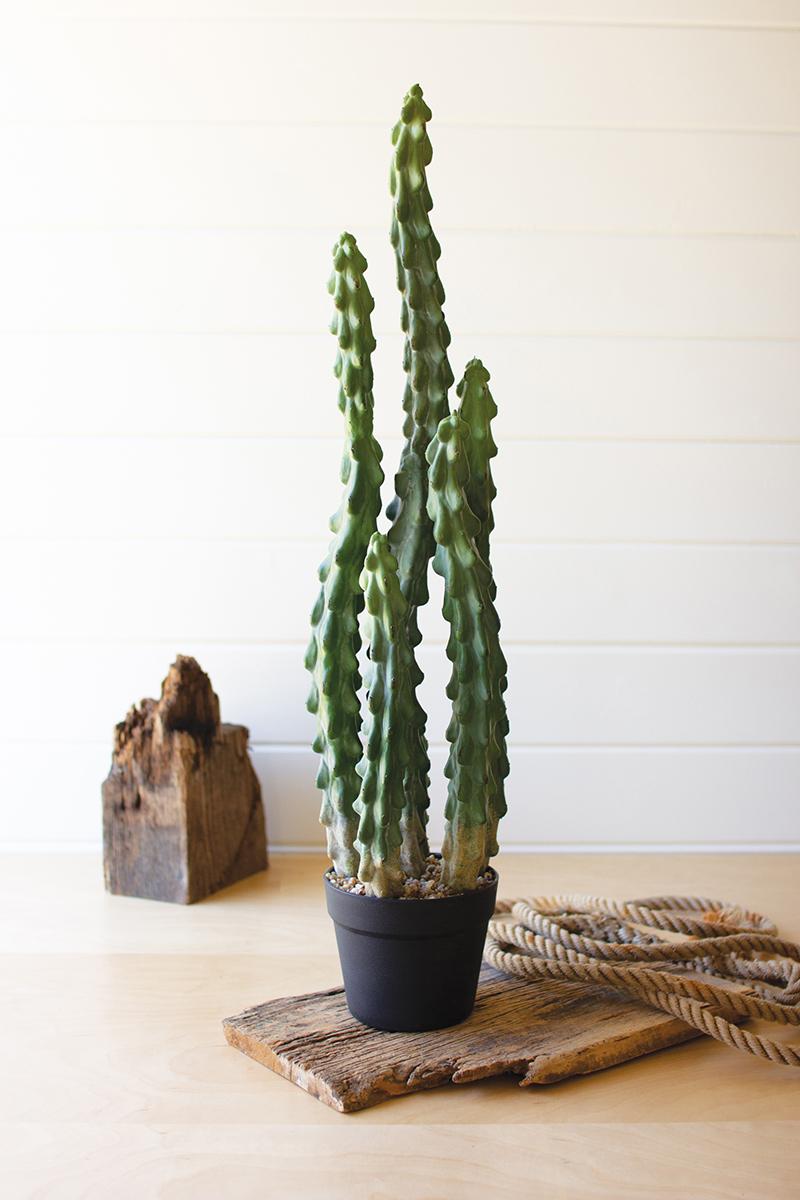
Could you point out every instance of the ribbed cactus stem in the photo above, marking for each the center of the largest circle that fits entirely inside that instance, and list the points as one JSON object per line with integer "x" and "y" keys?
{"x": 428, "y": 378}
{"x": 477, "y": 682}
{"x": 428, "y": 374}
{"x": 478, "y": 410}
{"x": 391, "y": 730}
{"x": 332, "y": 653}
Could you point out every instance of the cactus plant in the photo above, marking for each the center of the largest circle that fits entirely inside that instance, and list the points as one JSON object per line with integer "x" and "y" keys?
{"x": 375, "y": 787}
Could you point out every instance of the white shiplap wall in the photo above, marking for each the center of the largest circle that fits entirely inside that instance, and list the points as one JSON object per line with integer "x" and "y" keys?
{"x": 616, "y": 187}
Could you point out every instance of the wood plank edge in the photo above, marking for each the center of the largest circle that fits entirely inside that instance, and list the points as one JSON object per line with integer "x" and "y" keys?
{"x": 624, "y": 1048}
{"x": 261, "y": 1053}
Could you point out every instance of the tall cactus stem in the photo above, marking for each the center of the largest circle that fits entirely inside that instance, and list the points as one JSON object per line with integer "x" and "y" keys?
{"x": 478, "y": 409}
{"x": 428, "y": 373}
{"x": 391, "y": 728}
{"x": 476, "y": 765}
{"x": 428, "y": 377}
{"x": 332, "y": 655}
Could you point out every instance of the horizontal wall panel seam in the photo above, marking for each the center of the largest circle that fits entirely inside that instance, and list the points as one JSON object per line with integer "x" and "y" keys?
{"x": 34, "y": 847}
{"x": 292, "y": 17}
{"x": 643, "y": 649}
{"x": 524, "y": 644}
{"x": 271, "y": 331}
{"x": 45, "y": 331}
{"x": 520, "y": 439}
{"x": 788, "y": 131}
{"x": 655, "y": 234}
{"x": 306, "y": 540}
{"x": 323, "y": 539}
{"x": 524, "y": 748}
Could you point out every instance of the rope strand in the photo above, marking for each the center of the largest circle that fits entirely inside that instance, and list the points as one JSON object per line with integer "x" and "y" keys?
{"x": 622, "y": 945}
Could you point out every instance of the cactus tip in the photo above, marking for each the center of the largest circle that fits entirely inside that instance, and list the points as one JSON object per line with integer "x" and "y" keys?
{"x": 476, "y": 369}
{"x": 475, "y": 375}
{"x": 452, "y": 428}
{"x": 378, "y": 544}
{"x": 347, "y": 254}
{"x": 414, "y": 107}
{"x": 379, "y": 554}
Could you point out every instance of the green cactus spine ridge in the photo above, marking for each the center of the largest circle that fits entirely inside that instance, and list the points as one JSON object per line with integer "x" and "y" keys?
{"x": 393, "y": 721}
{"x": 477, "y": 763}
{"x": 428, "y": 374}
{"x": 332, "y": 655}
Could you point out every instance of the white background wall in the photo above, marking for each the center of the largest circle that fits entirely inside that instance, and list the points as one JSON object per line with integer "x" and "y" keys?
{"x": 616, "y": 189}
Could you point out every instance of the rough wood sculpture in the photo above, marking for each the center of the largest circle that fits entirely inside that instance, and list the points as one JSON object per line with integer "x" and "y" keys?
{"x": 182, "y": 812}
{"x": 542, "y": 1031}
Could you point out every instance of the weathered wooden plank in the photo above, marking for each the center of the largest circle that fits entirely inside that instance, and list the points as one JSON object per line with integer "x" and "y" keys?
{"x": 543, "y": 1032}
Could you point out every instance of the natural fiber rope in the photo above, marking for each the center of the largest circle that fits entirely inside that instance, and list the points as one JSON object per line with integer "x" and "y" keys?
{"x": 746, "y": 970}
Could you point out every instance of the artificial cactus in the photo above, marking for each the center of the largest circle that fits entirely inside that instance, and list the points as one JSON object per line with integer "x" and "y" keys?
{"x": 394, "y": 717}
{"x": 376, "y": 798}
{"x": 476, "y": 765}
{"x": 332, "y": 653}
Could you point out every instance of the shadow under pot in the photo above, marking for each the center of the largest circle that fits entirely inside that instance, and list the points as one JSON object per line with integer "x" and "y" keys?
{"x": 410, "y": 965}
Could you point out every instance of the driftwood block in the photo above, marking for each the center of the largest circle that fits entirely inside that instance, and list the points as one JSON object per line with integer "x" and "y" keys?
{"x": 543, "y": 1031}
{"x": 182, "y": 812}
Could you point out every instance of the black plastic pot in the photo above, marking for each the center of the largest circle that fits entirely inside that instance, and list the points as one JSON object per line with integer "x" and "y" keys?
{"x": 410, "y": 965}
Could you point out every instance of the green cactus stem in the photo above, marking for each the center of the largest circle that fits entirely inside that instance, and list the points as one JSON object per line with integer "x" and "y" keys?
{"x": 478, "y": 409}
{"x": 476, "y": 765}
{"x": 428, "y": 374}
{"x": 332, "y": 653}
{"x": 428, "y": 379}
{"x": 391, "y": 732}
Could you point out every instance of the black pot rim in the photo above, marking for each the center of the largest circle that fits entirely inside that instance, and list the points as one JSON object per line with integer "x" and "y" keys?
{"x": 407, "y": 900}
{"x": 417, "y": 917}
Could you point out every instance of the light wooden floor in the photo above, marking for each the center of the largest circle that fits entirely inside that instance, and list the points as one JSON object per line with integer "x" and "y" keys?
{"x": 116, "y": 1081}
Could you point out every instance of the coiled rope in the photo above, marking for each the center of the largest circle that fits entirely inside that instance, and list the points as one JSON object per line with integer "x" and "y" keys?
{"x": 739, "y": 967}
